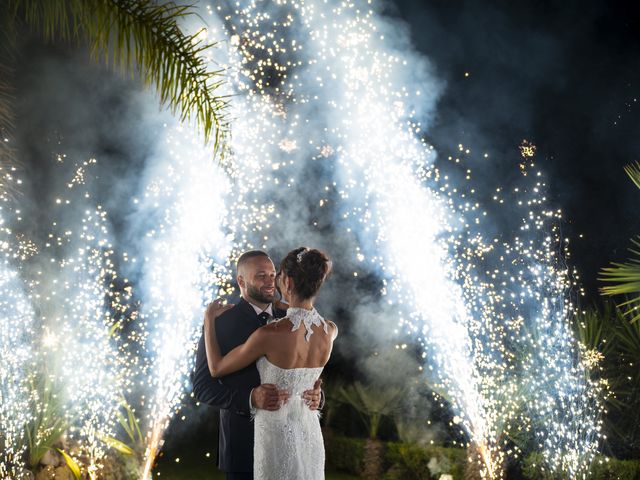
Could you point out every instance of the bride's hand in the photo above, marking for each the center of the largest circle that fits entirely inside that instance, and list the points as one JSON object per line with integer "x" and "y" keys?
{"x": 215, "y": 309}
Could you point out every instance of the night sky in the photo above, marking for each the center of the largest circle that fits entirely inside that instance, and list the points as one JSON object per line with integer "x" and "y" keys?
{"x": 564, "y": 75}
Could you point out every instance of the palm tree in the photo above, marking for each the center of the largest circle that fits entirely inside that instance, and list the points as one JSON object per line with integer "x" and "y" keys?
{"x": 139, "y": 36}
{"x": 6, "y": 152}
{"x": 372, "y": 402}
{"x": 611, "y": 348}
{"x": 624, "y": 278}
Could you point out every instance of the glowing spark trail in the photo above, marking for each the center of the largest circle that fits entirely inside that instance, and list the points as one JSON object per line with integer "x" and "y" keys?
{"x": 186, "y": 251}
{"x": 74, "y": 292}
{"x": 90, "y": 370}
{"x": 16, "y": 333}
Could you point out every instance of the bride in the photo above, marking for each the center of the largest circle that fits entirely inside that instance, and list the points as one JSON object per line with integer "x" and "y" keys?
{"x": 291, "y": 354}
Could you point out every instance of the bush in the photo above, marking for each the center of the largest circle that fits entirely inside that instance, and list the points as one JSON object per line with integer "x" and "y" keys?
{"x": 602, "y": 469}
{"x": 534, "y": 468}
{"x": 345, "y": 454}
{"x": 412, "y": 461}
{"x": 409, "y": 461}
{"x": 614, "y": 469}
{"x": 404, "y": 461}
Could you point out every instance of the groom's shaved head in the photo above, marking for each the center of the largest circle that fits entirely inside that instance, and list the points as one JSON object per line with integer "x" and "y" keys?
{"x": 246, "y": 256}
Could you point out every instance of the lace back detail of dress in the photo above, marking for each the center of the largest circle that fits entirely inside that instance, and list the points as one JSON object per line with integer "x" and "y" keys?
{"x": 301, "y": 316}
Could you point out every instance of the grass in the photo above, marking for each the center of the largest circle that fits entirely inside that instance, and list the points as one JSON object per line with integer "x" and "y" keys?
{"x": 205, "y": 469}
{"x": 195, "y": 473}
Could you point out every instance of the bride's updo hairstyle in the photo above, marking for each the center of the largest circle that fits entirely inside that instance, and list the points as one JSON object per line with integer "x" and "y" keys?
{"x": 308, "y": 269}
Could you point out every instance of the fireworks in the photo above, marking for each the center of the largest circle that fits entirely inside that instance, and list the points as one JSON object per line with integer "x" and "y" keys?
{"x": 64, "y": 372}
{"x": 328, "y": 104}
{"x": 16, "y": 333}
{"x": 335, "y": 76}
{"x": 181, "y": 217}
{"x": 75, "y": 294}
{"x": 17, "y": 355}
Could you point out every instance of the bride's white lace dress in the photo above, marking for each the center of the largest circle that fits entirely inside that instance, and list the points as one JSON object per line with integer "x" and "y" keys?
{"x": 288, "y": 442}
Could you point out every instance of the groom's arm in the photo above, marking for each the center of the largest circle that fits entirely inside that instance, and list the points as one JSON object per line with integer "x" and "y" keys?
{"x": 212, "y": 391}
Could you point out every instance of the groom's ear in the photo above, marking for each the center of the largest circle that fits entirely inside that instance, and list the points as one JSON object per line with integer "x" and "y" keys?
{"x": 240, "y": 280}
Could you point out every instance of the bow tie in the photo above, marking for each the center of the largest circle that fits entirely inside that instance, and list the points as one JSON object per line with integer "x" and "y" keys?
{"x": 263, "y": 318}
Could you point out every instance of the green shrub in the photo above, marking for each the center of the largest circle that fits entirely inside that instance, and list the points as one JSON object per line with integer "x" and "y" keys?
{"x": 534, "y": 468}
{"x": 411, "y": 461}
{"x": 402, "y": 461}
{"x": 345, "y": 454}
{"x": 614, "y": 469}
{"x": 603, "y": 468}
{"x": 406, "y": 461}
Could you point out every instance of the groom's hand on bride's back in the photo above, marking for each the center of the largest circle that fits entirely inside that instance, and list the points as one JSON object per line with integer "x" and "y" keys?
{"x": 268, "y": 397}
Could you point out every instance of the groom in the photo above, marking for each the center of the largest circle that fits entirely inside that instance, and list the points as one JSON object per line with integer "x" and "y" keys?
{"x": 237, "y": 394}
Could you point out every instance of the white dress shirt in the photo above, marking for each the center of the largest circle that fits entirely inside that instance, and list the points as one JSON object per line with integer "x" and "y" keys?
{"x": 258, "y": 310}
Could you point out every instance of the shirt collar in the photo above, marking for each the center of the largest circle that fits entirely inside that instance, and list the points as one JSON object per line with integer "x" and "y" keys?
{"x": 258, "y": 310}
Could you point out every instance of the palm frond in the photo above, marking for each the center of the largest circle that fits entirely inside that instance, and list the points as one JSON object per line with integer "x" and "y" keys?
{"x": 633, "y": 170}
{"x": 72, "y": 464}
{"x": 49, "y": 422}
{"x": 594, "y": 328}
{"x": 7, "y": 33}
{"x": 628, "y": 338}
{"x": 625, "y": 280}
{"x": 116, "y": 444}
{"x": 8, "y": 160}
{"x": 131, "y": 427}
{"x": 6, "y": 112}
{"x": 143, "y": 35}
{"x": 371, "y": 402}
{"x": 7, "y": 155}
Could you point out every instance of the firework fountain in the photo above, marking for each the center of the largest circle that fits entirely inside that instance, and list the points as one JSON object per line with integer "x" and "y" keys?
{"x": 63, "y": 372}
{"x": 330, "y": 103}
{"x": 16, "y": 333}
{"x": 81, "y": 349}
{"x": 79, "y": 358}
{"x": 184, "y": 266}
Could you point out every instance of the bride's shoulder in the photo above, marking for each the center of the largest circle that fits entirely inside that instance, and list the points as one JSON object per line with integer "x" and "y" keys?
{"x": 333, "y": 329}
{"x": 276, "y": 326}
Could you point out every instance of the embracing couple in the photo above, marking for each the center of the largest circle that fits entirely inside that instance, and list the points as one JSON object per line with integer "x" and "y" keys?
{"x": 260, "y": 362}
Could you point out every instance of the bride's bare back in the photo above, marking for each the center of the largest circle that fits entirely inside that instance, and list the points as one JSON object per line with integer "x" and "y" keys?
{"x": 289, "y": 349}
{"x": 284, "y": 345}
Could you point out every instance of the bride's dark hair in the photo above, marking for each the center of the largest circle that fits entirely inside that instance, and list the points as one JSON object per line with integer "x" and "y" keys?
{"x": 308, "y": 269}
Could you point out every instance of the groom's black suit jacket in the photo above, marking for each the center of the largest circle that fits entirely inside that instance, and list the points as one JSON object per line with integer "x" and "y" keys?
{"x": 231, "y": 393}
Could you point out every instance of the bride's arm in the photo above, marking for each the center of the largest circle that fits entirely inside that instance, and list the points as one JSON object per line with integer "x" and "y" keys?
{"x": 238, "y": 358}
